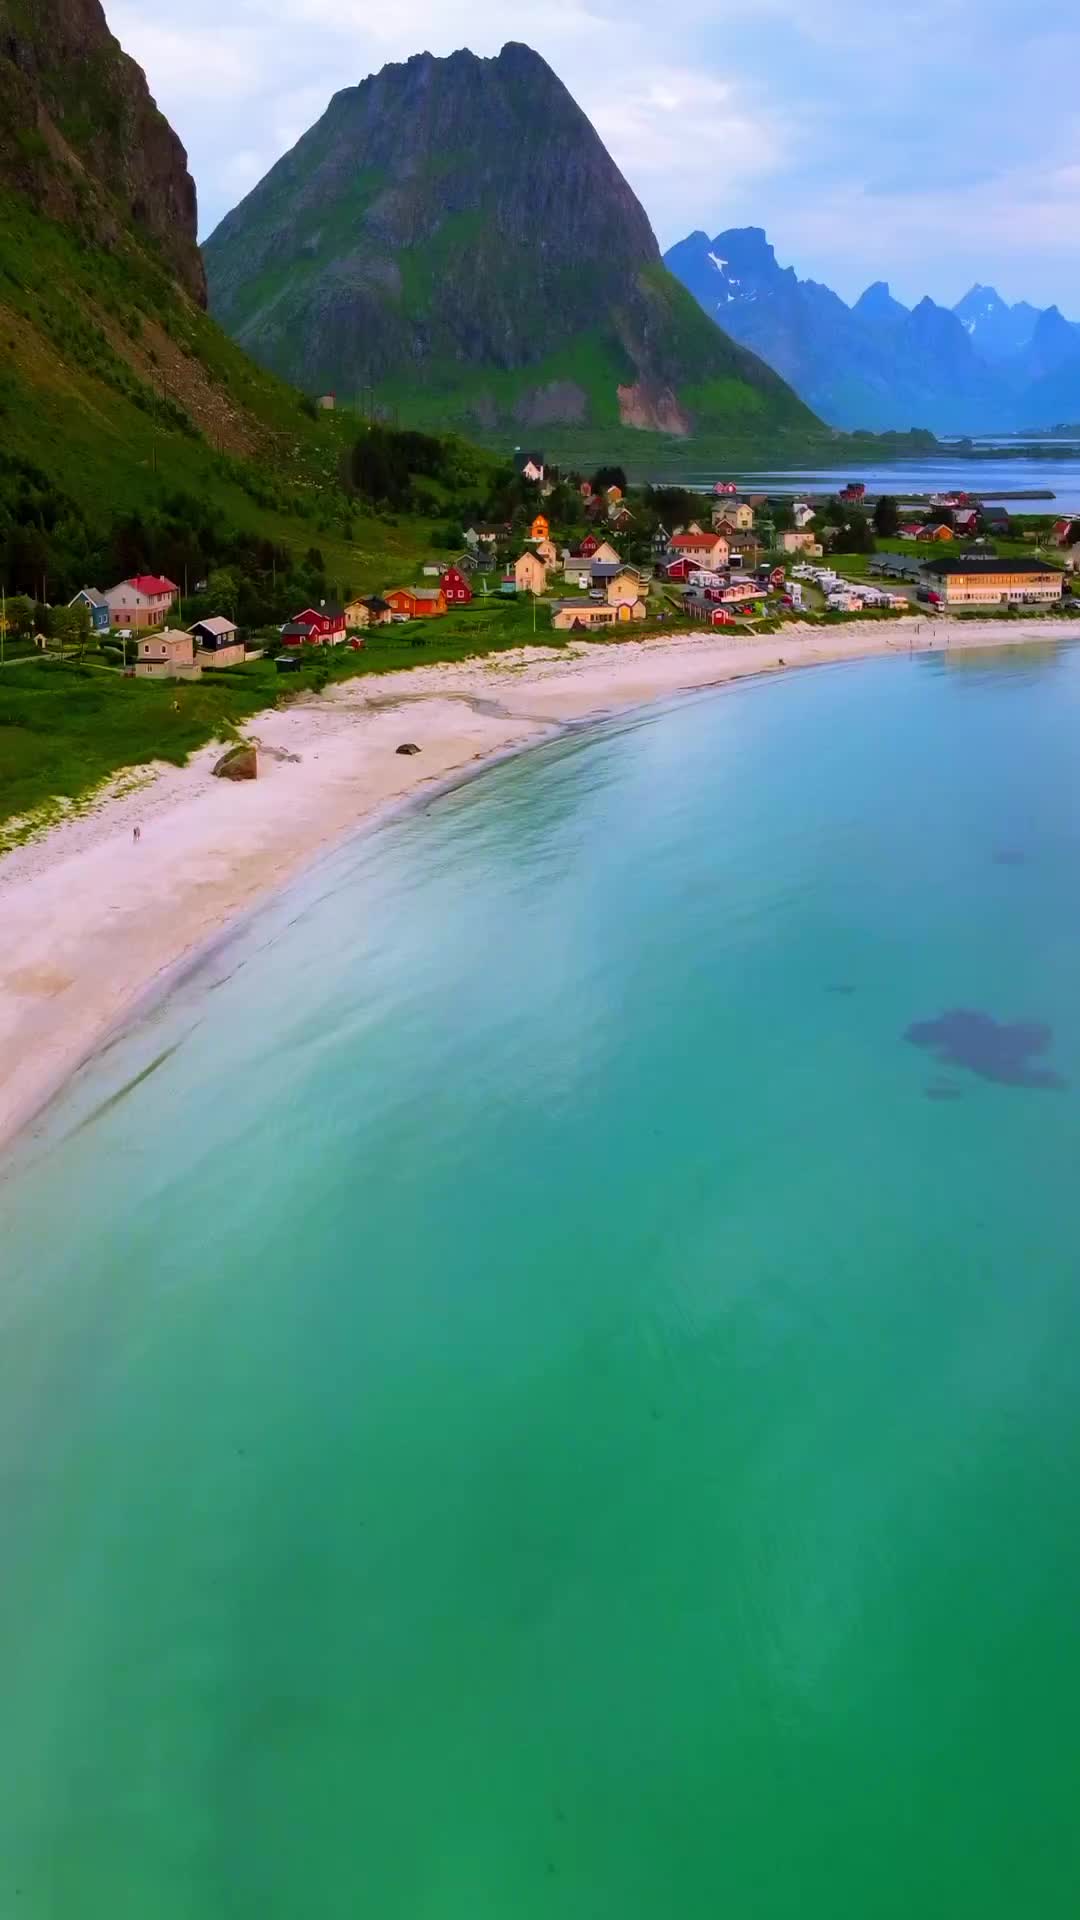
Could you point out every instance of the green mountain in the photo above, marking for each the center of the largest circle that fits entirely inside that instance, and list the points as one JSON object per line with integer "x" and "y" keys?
{"x": 453, "y": 244}
{"x": 118, "y": 393}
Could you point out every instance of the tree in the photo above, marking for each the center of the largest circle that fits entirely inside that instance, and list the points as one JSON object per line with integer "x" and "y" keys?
{"x": 606, "y": 477}
{"x": 673, "y": 506}
{"x": 887, "y": 517}
{"x": 859, "y": 535}
{"x": 77, "y": 626}
{"x": 223, "y": 590}
{"x": 783, "y": 514}
{"x": 20, "y": 617}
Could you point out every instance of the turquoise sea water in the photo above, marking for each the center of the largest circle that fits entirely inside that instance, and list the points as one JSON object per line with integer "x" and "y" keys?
{"x": 540, "y": 1401}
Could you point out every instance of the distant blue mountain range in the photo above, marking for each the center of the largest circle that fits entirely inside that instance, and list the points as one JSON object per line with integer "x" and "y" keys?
{"x": 981, "y": 366}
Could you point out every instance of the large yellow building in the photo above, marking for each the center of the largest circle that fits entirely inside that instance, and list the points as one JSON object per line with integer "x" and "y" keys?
{"x": 985, "y": 580}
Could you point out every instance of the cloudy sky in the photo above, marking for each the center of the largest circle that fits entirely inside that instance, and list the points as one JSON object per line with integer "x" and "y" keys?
{"x": 931, "y": 144}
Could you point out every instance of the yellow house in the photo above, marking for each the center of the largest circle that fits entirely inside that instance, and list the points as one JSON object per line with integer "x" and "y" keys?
{"x": 357, "y": 614}
{"x": 587, "y": 614}
{"x": 539, "y": 529}
{"x": 737, "y": 514}
{"x": 621, "y": 582}
{"x": 530, "y": 574}
{"x": 545, "y": 551}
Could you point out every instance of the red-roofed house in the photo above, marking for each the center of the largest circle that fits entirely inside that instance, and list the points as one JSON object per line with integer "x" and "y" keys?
{"x": 144, "y": 601}
{"x": 706, "y": 549}
{"x": 854, "y": 493}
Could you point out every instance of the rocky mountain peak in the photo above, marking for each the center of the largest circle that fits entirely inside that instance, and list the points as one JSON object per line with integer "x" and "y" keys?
{"x": 456, "y": 227}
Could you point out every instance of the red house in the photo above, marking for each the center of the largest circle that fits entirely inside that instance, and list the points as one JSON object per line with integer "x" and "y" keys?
{"x": 326, "y": 623}
{"x": 698, "y": 607}
{"x": 588, "y": 546}
{"x": 456, "y": 588}
{"x": 854, "y": 493}
{"x": 680, "y": 569}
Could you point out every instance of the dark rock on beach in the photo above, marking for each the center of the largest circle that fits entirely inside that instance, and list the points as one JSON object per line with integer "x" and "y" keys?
{"x": 240, "y": 763}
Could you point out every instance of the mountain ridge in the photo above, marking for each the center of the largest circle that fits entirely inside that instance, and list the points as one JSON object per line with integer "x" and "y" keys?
{"x": 981, "y": 365}
{"x": 453, "y": 233}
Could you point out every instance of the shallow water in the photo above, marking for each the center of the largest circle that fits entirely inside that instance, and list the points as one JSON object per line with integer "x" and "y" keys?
{"x": 525, "y": 1390}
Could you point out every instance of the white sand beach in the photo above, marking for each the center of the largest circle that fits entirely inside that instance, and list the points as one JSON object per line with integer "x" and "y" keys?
{"x": 93, "y": 920}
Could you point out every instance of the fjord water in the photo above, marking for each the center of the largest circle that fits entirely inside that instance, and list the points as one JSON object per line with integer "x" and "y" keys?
{"x": 514, "y": 1400}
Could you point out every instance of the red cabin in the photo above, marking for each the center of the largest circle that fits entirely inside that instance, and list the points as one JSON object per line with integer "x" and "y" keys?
{"x": 327, "y": 623}
{"x": 456, "y": 588}
{"x": 589, "y": 545}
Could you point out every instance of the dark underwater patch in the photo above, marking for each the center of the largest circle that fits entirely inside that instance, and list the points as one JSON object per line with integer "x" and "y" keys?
{"x": 994, "y": 1049}
{"x": 1009, "y": 857}
{"x": 942, "y": 1090}
{"x": 840, "y": 986}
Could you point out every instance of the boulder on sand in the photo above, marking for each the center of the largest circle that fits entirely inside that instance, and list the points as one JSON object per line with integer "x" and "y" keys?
{"x": 408, "y": 746}
{"x": 240, "y": 763}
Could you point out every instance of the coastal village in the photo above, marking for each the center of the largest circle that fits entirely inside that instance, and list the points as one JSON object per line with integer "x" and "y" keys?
{"x": 611, "y": 568}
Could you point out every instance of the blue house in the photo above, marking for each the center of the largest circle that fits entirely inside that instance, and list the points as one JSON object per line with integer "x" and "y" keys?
{"x": 100, "y": 616}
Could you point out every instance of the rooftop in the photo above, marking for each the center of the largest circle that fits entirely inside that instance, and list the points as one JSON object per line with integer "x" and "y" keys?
{"x": 989, "y": 564}
{"x": 151, "y": 584}
{"x": 217, "y": 623}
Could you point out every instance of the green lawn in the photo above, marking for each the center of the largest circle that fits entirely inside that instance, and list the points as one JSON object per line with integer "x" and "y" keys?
{"x": 64, "y": 728}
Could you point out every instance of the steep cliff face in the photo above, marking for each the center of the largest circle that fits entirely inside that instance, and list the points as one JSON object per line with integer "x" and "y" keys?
{"x": 115, "y": 384}
{"x": 454, "y": 234}
{"x": 880, "y": 365}
{"x": 82, "y": 139}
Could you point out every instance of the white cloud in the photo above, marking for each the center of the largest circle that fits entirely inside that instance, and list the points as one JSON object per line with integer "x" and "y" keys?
{"x": 869, "y": 141}
{"x": 192, "y": 63}
{"x": 673, "y": 128}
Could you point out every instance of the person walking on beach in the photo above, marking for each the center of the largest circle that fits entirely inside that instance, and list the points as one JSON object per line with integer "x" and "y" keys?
{"x": 136, "y": 834}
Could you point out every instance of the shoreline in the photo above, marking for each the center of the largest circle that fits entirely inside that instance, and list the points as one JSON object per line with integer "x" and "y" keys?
{"x": 98, "y": 927}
